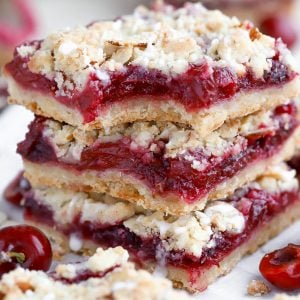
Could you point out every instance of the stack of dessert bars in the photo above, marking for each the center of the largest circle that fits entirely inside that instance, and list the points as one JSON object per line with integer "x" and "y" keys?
{"x": 164, "y": 132}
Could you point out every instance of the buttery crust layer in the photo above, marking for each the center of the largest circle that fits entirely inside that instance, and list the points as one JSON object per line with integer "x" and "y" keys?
{"x": 180, "y": 277}
{"x": 118, "y": 185}
{"x": 204, "y": 121}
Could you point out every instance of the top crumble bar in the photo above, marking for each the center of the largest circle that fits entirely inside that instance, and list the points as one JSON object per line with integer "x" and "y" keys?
{"x": 188, "y": 65}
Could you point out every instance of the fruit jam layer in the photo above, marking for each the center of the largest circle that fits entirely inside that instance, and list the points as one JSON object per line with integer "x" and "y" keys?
{"x": 198, "y": 88}
{"x": 257, "y": 206}
{"x": 83, "y": 275}
{"x": 162, "y": 175}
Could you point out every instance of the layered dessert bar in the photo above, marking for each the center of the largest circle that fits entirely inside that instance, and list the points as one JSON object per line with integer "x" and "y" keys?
{"x": 194, "y": 249}
{"x": 105, "y": 275}
{"x": 159, "y": 165}
{"x": 188, "y": 65}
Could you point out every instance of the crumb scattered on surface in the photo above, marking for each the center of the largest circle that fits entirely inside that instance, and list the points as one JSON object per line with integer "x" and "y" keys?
{"x": 258, "y": 288}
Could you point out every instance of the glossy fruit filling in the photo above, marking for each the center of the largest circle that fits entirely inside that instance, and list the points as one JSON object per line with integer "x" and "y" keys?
{"x": 82, "y": 275}
{"x": 163, "y": 175}
{"x": 258, "y": 207}
{"x": 198, "y": 88}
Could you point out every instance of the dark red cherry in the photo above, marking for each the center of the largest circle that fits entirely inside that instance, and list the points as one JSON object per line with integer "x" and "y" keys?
{"x": 282, "y": 267}
{"x": 24, "y": 246}
{"x": 280, "y": 26}
{"x": 15, "y": 190}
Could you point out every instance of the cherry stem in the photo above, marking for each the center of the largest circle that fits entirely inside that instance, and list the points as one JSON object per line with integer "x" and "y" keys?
{"x": 18, "y": 256}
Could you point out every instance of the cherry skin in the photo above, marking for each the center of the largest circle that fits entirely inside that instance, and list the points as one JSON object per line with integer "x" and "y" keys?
{"x": 282, "y": 267}
{"x": 280, "y": 26}
{"x": 16, "y": 189}
{"x": 24, "y": 246}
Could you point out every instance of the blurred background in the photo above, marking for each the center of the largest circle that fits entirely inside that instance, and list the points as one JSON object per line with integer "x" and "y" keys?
{"x": 26, "y": 19}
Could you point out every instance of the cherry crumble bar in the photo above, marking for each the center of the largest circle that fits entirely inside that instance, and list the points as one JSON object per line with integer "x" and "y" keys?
{"x": 189, "y": 65}
{"x": 105, "y": 275}
{"x": 160, "y": 166}
{"x": 193, "y": 249}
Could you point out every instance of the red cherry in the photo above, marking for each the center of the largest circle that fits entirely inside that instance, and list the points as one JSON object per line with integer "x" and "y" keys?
{"x": 24, "y": 246}
{"x": 15, "y": 190}
{"x": 282, "y": 267}
{"x": 280, "y": 26}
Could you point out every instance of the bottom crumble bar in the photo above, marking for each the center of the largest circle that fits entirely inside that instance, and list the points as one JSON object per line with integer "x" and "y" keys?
{"x": 193, "y": 249}
{"x": 105, "y": 275}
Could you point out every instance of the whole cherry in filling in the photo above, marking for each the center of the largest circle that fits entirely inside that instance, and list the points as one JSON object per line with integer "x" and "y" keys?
{"x": 282, "y": 267}
{"x": 24, "y": 246}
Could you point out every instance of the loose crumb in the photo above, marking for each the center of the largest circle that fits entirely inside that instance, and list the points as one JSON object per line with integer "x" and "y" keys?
{"x": 257, "y": 288}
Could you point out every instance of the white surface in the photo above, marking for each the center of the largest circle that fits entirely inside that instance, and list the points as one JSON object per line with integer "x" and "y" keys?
{"x": 14, "y": 121}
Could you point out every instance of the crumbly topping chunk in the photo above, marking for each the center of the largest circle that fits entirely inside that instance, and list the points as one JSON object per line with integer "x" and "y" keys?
{"x": 166, "y": 39}
{"x": 225, "y": 217}
{"x": 257, "y": 288}
{"x": 101, "y": 261}
{"x": 123, "y": 283}
{"x": 190, "y": 233}
{"x": 174, "y": 139}
{"x": 98, "y": 208}
{"x": 277, "y": 179}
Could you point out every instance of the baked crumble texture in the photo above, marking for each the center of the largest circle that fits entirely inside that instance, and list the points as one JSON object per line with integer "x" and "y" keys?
{"x": 258, "y": 288}
{"x": 167, "y": 40}
{"x": 109, "y": 276}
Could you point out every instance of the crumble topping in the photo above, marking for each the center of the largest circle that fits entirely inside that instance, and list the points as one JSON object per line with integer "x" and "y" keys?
{"x": 258, "y": 288}
{"x": 169, "y": 40}
{"x": 26, "y": 50}
{"x": 101, "y": 261}
{"x": 93, "y": 208}
{"x": 192, "y": 232}
{"x": 174, "y": 139}
{"x": 277, "y": 178}
{"x": 225, "y": 217}
{"x": 121, "y": 283}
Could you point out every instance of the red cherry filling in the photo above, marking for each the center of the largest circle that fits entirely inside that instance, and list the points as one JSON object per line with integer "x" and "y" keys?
{"x": 280, "y": 27}
{"x": 24, "y": 246}
{"x": 282, "y": 267}
{"x": 16, "y": 189}
{"x": 163, "y": 175}
{"x": 200, "y": 87}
